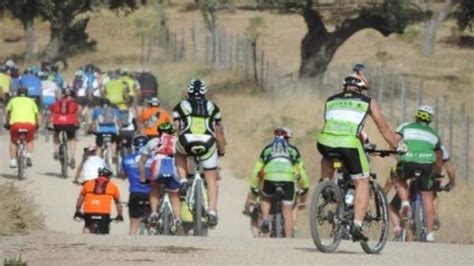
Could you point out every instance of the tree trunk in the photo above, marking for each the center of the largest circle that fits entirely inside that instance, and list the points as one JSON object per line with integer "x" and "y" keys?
{"x": 30, "y": 38}
{"x": 56, "y": 41}
{"x": 316, "y": 54}
{"x": 254, "y": 60}
{"x": 431, "y": 27}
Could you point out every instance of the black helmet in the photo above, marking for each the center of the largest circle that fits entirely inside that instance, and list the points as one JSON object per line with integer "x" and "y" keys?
{"x": 55, "y": 68}
{"x": 104, "y": 101}
{"x": 139, "y": 141}
{"x": 68, "y": 92}
{"x": 105, "y": 171}
{"x": 22, "y": 91}
{"x": 166, "y": 127}
{"x": 197, "y": 87}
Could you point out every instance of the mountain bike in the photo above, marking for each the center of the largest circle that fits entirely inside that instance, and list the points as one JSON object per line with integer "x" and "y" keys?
{"x": 96, "y": 221}
{"x": 413, "y": 227}
{"x": 21, "y": 153}
{"x": 124, "y": 148}
{"x": 277, "y": 221}
{"x": 144, "y": 220}
{"x": 107, "y": 149}
{"x": 63, "y": 153}
{"x": 332, "y": 210}
{"x": 196, "y": 198}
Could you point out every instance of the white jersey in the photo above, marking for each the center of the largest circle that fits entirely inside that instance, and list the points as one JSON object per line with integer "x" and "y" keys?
{"x": 49, "y": 88}
{"x": 90, "y": 170}
{"x": 81, "y": 91}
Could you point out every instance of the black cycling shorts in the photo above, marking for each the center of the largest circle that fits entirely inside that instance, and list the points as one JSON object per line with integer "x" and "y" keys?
{"x": 102, "y": 221}
{"x": 69, "y": 129}
{"x": 82, "y": 101}
{"x": 138, "y": 204}
{"x": 99, "y": 140}
{"x": 349, "y": 157}
{"x": 269, "y": 189}
{"x": 425, "y": 181}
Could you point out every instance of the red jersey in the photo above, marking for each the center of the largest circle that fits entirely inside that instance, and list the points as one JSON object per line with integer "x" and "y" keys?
{"x": 167, "y": 144}
{"x": 65, "y": 112}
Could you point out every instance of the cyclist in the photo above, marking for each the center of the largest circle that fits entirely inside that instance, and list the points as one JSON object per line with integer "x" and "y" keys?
{"x": 139, "y": 192}
{"x": 10, "y": 64}
{"x": 65, "y": 117}
{"x": 5, "y": 81}
{"x": 128, "y": 125}
{"x": 344, "y": 116}
{"x": 279, "y": 165}
{"x": 105, "y": 120}
{"x": 56, "y": 77}
{"x": 151, "y": 117}
{"x": 163, "y": 171}
{"x": 14, "y": 81}
{"x": 30, "y": 81}
{"x": 131, "y": 86}
{"x": 96, "y": 196}
{"x": 49, "y": 90}
{"x": 93, "y": 89}
{"x": 148, "y": 85}
{"x": 22, "y": 113}
{"x": 115, "y": 90}
{"x": 90, "y": 164}
{"x": 199, "y": 124}
{"x": 424, "y": 145}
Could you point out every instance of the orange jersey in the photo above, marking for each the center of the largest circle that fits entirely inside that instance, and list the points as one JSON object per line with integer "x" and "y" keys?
{"x": 152, "y": 117}
{"x": 99, "y": 203}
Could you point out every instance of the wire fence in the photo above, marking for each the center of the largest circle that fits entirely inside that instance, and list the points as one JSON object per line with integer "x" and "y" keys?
{"x": 397, "y": 94}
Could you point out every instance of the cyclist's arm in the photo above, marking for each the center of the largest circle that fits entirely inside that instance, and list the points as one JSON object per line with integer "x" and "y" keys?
{"x": 255, "y": 178}
{"x": 118, "y": 204}
{"x": 220, "y": 138}
{"x": 303, "y": 179}
{"x": 141, "y": 166}
{"x": 382, "y": 126}
{"x": 451, "y": 172}
{"x": 80, "y": 201}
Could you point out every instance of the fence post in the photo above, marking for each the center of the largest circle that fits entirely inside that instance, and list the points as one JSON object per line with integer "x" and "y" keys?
{"x": 436, "y": 111}
{"x": 392, "y": 95}
{"x": 419, "y": 94}
{"x": 403, "y": 98}
{"x": 246, "y": 47}
{"x": 193, "y": 41}
{"x": 466, "y": 150}
{"x": 451, "y": 129}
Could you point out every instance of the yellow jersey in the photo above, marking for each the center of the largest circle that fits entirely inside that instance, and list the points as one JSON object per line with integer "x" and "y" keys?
{"x": 4, "y": 83}
{"x": 22, "y": 110}
{"x": 131, "y": 85}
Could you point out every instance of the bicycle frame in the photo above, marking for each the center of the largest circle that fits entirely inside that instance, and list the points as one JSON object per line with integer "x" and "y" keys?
{"x": 63, "y": 153}
{"x": 107, "y": 149}
{"x": 191, "y": 195}
{"x": 21, "y": 153}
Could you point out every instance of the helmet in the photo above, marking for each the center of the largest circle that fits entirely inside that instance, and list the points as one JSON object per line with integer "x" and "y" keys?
{"x": 154, "y": 101}
{"x": 357, "y": 80}
{"x": 104, "y": 101}
{"x": 22, "y": 91}
{"x": 3, "y": 69}
{"x": 78, "y": 73}
{"x": 124, "y": 71}
{"x": 197, "y": 87}
{"x": 27, "y": 71}
{"x": 9, "y": 63}
{"x": 89, "y": 68}
{"x": 34, "y": 70}
{"x": 425, "y": 114}
{"x": 166, "y": 127}
{"x": 139, "y": 141}
{"x": 105, "y": 171}
{"x": 283, "y": 132}
{"x": 68, "y": 92}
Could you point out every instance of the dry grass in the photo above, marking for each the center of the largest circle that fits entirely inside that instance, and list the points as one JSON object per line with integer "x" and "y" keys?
{"x": 19, "y": 214}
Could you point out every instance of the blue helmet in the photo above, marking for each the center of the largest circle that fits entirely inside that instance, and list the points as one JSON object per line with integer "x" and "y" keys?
{"x": 139, "y": 141}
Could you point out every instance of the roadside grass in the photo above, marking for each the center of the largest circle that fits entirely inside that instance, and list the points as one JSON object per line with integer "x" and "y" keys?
{"x": 19, "y": 214}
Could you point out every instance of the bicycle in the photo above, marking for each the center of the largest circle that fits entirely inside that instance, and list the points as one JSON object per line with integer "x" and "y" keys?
{"x": 196, "y": 197}
{"x": 165, "y": 224}
{"x": 277, "y": 221}
{"x": 124, "y": 148}
{"x": 339, "y": 194}
{"x": 63, "y": 153}
{"x": 414, "y": 226}
{"x": 144, "y": 220}
{"x": 21, "y": 153}
{"x": 96, "y": 221}
{"x": 45, "y": 112}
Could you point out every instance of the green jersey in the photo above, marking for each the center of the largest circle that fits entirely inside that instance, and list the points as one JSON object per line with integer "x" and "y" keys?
{"x": 421, "y": 140}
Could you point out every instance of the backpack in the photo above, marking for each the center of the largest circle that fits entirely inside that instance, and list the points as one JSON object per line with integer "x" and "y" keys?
{"x": 280, "y": 149}
{"x": 63, "y": 108}
{"x": 100, "y": 185}
{"x": 125, "y": 118}
{"x": 108, "y": 116}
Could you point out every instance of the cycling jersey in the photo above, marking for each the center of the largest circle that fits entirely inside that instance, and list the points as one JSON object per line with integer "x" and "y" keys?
{"x": 99, "y": 203}
{"x": 421, "y": 140}
{"x": 151, "y": 117}
{"x": 14, "y": 86}
{"x": 79, "y": 86}
{"x": 58, "y": 79}
{"x": 22, "y": 110}
{"x": 65, "y": 112}
{"x": 130, "y": 168}
{"x": 4, "y": 83}
{"x": 164, "y": 145}
{"x": 32, "y": 83}
{"x": 49, "y": 91}
{"x": 114, "y": 91}
{"x": 91, "y": 167}
{"x": 106, "y": 119}
{"x": 280, "y": 166}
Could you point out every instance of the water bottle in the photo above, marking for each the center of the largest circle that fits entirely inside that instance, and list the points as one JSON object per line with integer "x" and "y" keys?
{"x": 349, "y": 197}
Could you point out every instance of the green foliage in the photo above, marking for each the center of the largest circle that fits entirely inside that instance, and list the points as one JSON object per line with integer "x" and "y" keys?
{"x": 209, "y": 12}
{"x": 464, "y": 14}
{"x": 411, "y": 34}
{"x": 14, "y": 261}
{"x": 255, "y": 27}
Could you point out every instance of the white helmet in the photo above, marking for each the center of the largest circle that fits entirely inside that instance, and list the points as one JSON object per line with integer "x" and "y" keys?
{"x": 425, "y": 113}
{"x": 9, "y": 63}
{"x": 197, "y": 87}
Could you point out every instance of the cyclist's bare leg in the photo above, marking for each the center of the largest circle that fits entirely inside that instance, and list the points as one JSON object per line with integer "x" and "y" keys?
{"x": 56, "y": 141}
{"x": 13, "y": 150}
{"x": 402, "y": 191}
{"x": 265, "y": 207}
{"x": 361, "y": 198}
{"x": 181, "y": 162}
{"x": 86, "y": 230}
{"x": 134, "y": 226}
{"x": 72, "y": 147}
{"x": 326, "y": 169}
{"x": 29, "y": 147}
{"x": 175, "y": 204}
{"x": 154, "y": 196}
{"x": 427, "y": 197}
{"x": 211, "y": 177}
{"x": 393, "y": 215}
{"x": 287, "y": 210}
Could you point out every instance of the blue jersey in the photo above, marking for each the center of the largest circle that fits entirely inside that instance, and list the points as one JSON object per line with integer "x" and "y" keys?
{"x": 130, "y": 168}
{"x": 58, "y": 79}
{"x": 90, "y": 77}
{"x": 106, "y": 119}
{"x": 32, "y": 83}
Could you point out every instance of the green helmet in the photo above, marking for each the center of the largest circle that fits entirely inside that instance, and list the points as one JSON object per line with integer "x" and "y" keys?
{"x": 166, "y": 127}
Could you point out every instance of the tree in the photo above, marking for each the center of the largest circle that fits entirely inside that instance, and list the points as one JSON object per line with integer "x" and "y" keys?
{"x": 26, "y": 11}
{"x": 431, "y": 26}
{"x": 319, "y": 44}
{"x": 254, "y": 31}
{"x": 465, "y": 15}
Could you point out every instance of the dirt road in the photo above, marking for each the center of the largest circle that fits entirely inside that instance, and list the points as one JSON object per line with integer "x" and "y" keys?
{"x": 229, "y": 243}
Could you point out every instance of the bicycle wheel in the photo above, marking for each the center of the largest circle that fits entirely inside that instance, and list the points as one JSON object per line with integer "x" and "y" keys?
{"x": 419, "y": 224}
{"x": 198, "y": 209}
{"x": 63, "y": 155}
{"x": 21, "y": 161}
{"x": 376, "y": 221}
{"x": 279, "y": 225}
{"x": 325, "y": 216}
{"x": 166, "y": 220}
{"x": 108, "y": 156}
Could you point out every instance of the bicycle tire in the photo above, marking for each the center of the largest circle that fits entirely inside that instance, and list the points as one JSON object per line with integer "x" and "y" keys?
{"x": 166, "y": 220}
{"x": 378, "y": 197}
{"x": 418, "y": 230}
{"x": 316, "y": 212}
{"x": 198, "y": 209}
{"x": 279, "y": 226}
{"x": 21, "y": 161}
{"x": 108, "y": 156}
{"x": 63, "y": 155}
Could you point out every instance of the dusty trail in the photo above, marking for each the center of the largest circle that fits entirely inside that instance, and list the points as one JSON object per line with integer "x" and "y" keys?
{"x": 229, "y": 243}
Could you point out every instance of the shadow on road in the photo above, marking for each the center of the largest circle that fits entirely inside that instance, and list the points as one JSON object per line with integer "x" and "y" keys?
{"x": 11, "y": 177}
{"x": 337, "y": 251}
{"x": 58, "y": 175}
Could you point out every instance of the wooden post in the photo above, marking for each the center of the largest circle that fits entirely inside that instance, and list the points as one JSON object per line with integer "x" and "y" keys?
{"x": 419, "y": 94}
{"x": 436, "y": 111}
{"x": 450, "y": 129}
{"x": 246, "y": 46}
{"x": 465, "y": 160}
{"x": 262, "y": 68}
{"x": 403, "y": 98}
{"x": 392, "y": 94}
{"x": 193, "y": 42}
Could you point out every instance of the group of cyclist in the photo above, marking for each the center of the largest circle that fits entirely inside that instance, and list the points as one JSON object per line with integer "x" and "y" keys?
{"x": 126, "y": 106}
